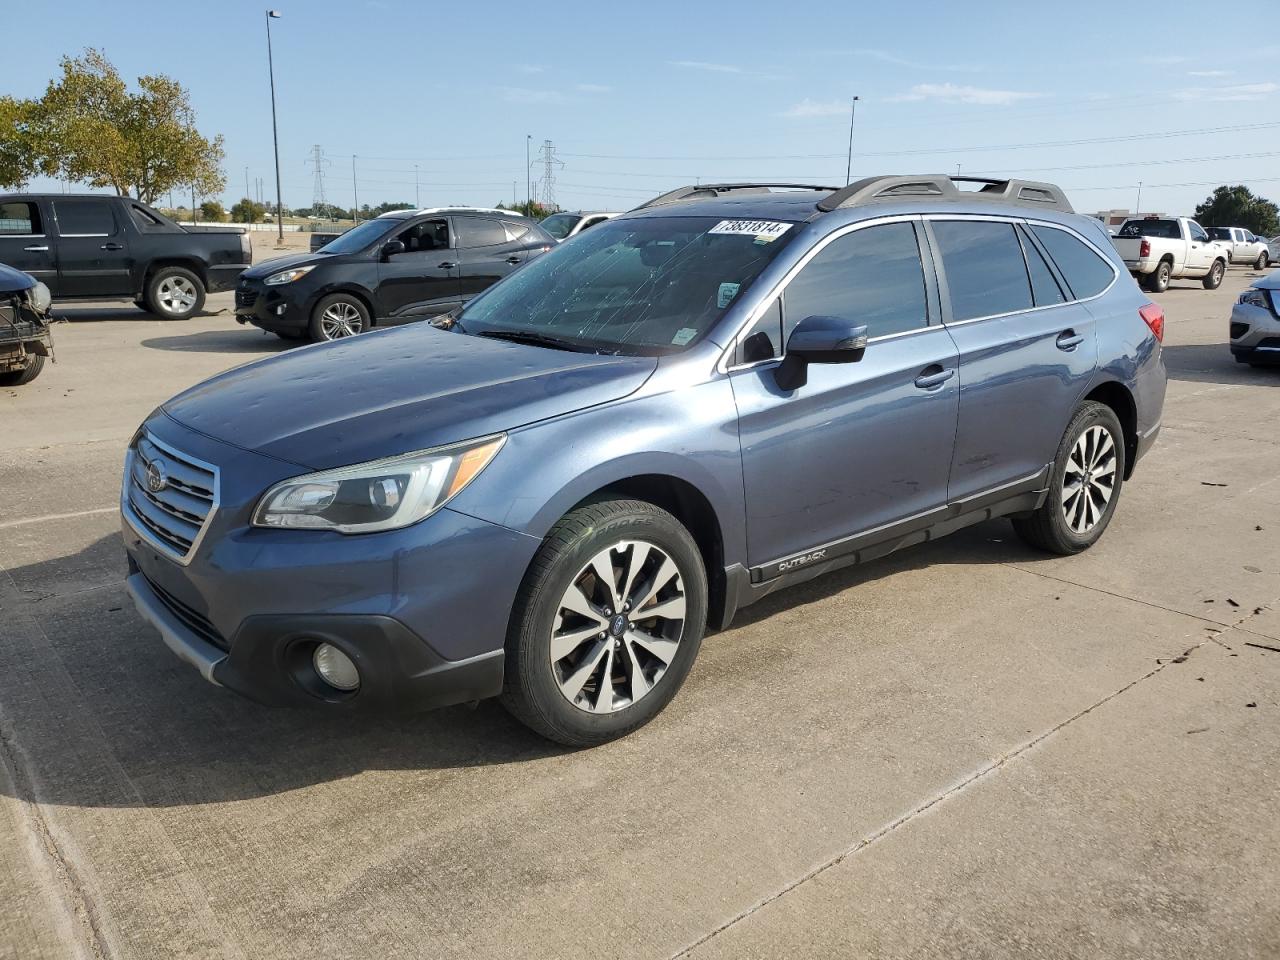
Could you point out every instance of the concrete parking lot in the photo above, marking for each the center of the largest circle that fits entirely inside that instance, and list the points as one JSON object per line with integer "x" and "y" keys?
{"x": 966, "y": 750}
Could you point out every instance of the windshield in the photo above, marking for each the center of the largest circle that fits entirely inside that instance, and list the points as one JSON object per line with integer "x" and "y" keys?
{"x": 1165, "y": 229}
{"x": 559, "y": 224}
{"x": 357, "y": 238}
{"x": 647, "y": 286}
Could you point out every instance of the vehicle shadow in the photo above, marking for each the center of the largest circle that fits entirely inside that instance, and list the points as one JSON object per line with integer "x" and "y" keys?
{"x": 93, "y": 313}
{"x": 1213, "y": 363}
{"x": 232, "y": 340}
{"x": 180, "y": 741}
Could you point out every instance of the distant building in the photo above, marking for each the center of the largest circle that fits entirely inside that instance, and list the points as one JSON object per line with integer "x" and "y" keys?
{"x": 1113, "y": 218}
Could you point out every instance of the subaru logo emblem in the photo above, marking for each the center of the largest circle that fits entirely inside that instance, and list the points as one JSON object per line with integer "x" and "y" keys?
{"x": 619, "y": 625}
{"x": 157, "y": 476}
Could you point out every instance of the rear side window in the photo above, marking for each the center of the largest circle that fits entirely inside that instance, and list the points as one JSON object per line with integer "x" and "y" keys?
{"x": 478, "y": 232}
{"x": 872, "y": 276}
{"x": 84, "y": 217}
{"x": 142, "y": 219}
{"x": 18, "y": 218}
{"x": 1086, "y": 273}
{"x": 515, "y": 230}
{"x": 1044, "y": 286}
{"x": 986, "y": 274}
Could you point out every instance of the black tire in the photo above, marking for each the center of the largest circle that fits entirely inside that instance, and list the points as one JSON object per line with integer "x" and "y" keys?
{"x": 1261, "y": 262}
{"x": 1213, "y": 279}
{"x": 1048, "y": 528}
{"x": 1158, "y": 279}
{"x": 174, "y": 293}
{"x": 532, "y": 691}
{"x": 321, "y": 329}
{"x": 16, "y": 378}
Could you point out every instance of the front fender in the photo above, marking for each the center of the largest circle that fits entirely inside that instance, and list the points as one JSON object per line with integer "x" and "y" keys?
{"x": 546, "y": 468}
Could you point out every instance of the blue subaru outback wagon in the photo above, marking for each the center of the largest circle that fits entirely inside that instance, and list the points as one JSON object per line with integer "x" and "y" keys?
{"x": 550, "y": 494}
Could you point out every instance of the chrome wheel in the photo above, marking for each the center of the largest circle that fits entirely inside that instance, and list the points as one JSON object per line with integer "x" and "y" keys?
{"x": 618, "y": 626}
{"x": 1089, "y": 480}
{"x": 176, "y": 295}
{"x": 341, "y": 319}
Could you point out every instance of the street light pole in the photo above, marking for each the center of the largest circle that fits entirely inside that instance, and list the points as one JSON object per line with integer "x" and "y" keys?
{"x": 417, "y": 199}
{"x": 528, "y": 176}
{"x": 1138, "y": 207}
{"x": 853, "y": 115}
{"x": 275, "y": 135}
{"x": 355, "y": 193}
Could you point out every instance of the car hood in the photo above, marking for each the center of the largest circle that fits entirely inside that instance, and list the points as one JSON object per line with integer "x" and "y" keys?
{"x": 11, "y": 280}
{"x": 392, "y": 392}
{"x": 266, "y": 268}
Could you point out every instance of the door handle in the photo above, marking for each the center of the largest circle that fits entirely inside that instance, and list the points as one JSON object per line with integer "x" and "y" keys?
{"x": 112, "y": 246}
{"x": 933, "y": 376}
{"x": 36, "y": 249}
{"x": 1068, "y": 340}
{"x": 514, "y": 260}
{"x": 447, "y": 265}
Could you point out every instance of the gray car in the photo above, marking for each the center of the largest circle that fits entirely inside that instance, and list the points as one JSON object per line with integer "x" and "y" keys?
{"x": 550, "y": 496}
{"x": 1255, "y": 323}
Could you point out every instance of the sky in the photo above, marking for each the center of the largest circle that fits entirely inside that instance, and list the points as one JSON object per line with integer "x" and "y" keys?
{"x": 644, "y": 97}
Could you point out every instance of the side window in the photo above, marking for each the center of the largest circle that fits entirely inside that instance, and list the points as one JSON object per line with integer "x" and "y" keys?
{"x": 986, "y": 274}
{"x": 90, "y": 218}
{"x": 426, "y": 236}
{"x": 515, "y": 230}
{"x": 143, "y": 220}
{"x": 1197, "y": 232}
{"x": 763, "y": 339}
{"x": 1086, "y": 273}
{"x": 1044, "y": 286}
{"x": 872, "y": 276}
{"x": 18, "y": 218}
{"x": 479, "y": 232}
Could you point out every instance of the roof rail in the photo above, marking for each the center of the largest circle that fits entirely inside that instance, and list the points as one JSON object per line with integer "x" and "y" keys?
{"x": 1031, "y": 193}
{"x": 703, "y": 191}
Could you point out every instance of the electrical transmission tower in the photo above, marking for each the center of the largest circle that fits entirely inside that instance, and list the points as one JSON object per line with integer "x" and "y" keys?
{"x": 547, "y": 154}
{"x": 317, "y": 158}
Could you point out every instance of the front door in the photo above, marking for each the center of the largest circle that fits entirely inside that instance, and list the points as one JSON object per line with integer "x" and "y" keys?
{"x": 1025, "y": 358}
{"x": 862, "y": 449}
{"x": 1200, "y": 252}
{"x": 93, "y": 251}
{"x": 423, "y": 280}
{"x": 25, "y": 243}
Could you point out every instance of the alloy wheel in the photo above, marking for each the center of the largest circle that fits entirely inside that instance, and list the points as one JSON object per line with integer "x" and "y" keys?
{"x": 618, "y": 626}
{"x": 340, "y": 320}
{"x": 176, "y": 295}
{"x": 1089, "y": 479}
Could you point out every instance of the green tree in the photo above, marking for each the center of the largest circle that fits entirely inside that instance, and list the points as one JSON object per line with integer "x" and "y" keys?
{"x": 19, "y": 154}
{"x": 1238, "y": 206}
{"x": 212, "y": 210}
{"x": 247, "y": 211}
{"x": 529, "y": 208}
{"x": 90, "y": 128}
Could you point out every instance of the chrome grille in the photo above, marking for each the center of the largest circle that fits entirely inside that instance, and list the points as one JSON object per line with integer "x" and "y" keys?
{"x": 174, "y": 516}
{"x": 246, "y": 296}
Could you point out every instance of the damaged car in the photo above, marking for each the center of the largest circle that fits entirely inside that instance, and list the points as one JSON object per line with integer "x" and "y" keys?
{"x": 25, "y": 340}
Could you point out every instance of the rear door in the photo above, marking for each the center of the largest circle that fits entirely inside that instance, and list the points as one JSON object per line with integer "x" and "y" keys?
{"x": 93, "y": 251}
{"x": 25, "y": 243}
{"x": 423, "y": 280}
{"x": 1027, "y": 352}
{"x": 486, "y": 252}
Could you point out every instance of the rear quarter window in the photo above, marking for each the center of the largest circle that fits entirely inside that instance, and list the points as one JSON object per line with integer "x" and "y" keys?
{"x": 1086, "y": 273}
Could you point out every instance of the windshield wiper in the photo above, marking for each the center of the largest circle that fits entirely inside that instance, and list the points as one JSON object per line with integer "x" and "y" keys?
{"x": 535, "y": 339}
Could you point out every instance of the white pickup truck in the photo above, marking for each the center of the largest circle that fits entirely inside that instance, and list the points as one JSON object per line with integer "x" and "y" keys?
{"x": 1157, "y": 250}
{"x": 1244, "y": 246}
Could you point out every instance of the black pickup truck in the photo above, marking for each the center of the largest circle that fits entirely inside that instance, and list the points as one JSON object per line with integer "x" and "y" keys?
{"x": 100, "y": 247}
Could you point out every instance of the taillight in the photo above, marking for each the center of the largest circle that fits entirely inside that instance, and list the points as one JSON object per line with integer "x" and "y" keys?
{"x": 1144, "y": 248}
{"x": 1153, "y": 315}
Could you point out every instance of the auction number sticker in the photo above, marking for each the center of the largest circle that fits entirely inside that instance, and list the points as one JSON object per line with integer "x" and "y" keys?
{"x": 765, "y": 231}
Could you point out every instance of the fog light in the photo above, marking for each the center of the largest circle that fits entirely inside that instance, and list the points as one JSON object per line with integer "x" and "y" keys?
{"x": 335, "y": 667}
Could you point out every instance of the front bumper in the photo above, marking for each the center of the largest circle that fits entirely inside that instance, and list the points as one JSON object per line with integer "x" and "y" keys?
{"x": 422, "y": 611}
{"x": 276, "y": 308}
{"x": 1254, "y": 333}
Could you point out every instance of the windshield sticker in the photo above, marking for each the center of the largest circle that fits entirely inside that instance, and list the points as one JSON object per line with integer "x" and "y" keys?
{"x": 684, "y": 335}
{"x": 765, "y": 231}
{"x": 727, "y": 292}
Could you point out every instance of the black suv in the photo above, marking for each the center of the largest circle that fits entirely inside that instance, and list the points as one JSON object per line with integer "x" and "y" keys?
{"x": 403, "y": 265}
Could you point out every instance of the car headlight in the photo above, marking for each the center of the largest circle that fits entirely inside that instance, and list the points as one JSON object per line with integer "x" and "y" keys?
{"x": 288, "y": 276}
{"x": 381, "y": 495}
{"x": 40, "y": 297}
{"x": 1255, "y": 297}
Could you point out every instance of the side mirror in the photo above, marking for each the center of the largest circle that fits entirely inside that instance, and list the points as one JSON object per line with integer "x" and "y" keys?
{"x": 391, "y": 248}
{"x": 820, "y": 340}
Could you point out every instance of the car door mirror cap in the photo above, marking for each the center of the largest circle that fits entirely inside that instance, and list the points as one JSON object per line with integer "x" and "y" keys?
{"x": 820, "y": 339}
{"x": 391, "y": 248}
